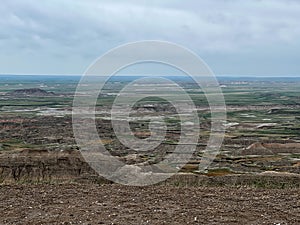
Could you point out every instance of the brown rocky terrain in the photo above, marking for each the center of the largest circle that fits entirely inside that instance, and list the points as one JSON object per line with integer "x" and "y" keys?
{"x": 163, "y": 204}
{"x": 42, "y": 166}
{"x": 255, "y": 179}
{"x": 43, "y": 148}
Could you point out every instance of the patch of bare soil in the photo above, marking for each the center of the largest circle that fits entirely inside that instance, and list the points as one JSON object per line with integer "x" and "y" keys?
{"x": 259, "y": 148}
{"x": 160, "y": 204}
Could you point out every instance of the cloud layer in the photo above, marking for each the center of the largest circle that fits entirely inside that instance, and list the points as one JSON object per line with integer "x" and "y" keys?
{"x": 234, "y": 37}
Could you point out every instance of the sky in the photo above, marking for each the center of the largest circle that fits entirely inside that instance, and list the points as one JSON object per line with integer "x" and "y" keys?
{"x": 234, "y": 37}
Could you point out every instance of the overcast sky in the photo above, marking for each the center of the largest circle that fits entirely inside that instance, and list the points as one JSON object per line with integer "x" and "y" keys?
{"x": 236, "y": 37}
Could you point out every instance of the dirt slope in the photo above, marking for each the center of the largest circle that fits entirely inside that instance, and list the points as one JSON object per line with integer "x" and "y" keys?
{"x": 113, "y": 204}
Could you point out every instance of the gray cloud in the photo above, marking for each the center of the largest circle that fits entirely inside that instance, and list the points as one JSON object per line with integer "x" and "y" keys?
{"x": 64, "y": 36}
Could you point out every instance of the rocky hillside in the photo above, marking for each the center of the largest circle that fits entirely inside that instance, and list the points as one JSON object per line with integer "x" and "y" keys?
{"x": 31, "y": 92}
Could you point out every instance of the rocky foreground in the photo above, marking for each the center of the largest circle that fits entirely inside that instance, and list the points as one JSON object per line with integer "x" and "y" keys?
{"x": 41, "y": 187}
{"x": 162, "y": 204}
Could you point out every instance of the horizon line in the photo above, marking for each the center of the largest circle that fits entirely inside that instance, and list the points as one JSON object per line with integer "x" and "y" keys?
{"x": 217, "y": 75}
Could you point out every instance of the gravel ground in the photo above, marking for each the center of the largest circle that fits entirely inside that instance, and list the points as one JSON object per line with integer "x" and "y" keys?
{"x": 114, "y": 204}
